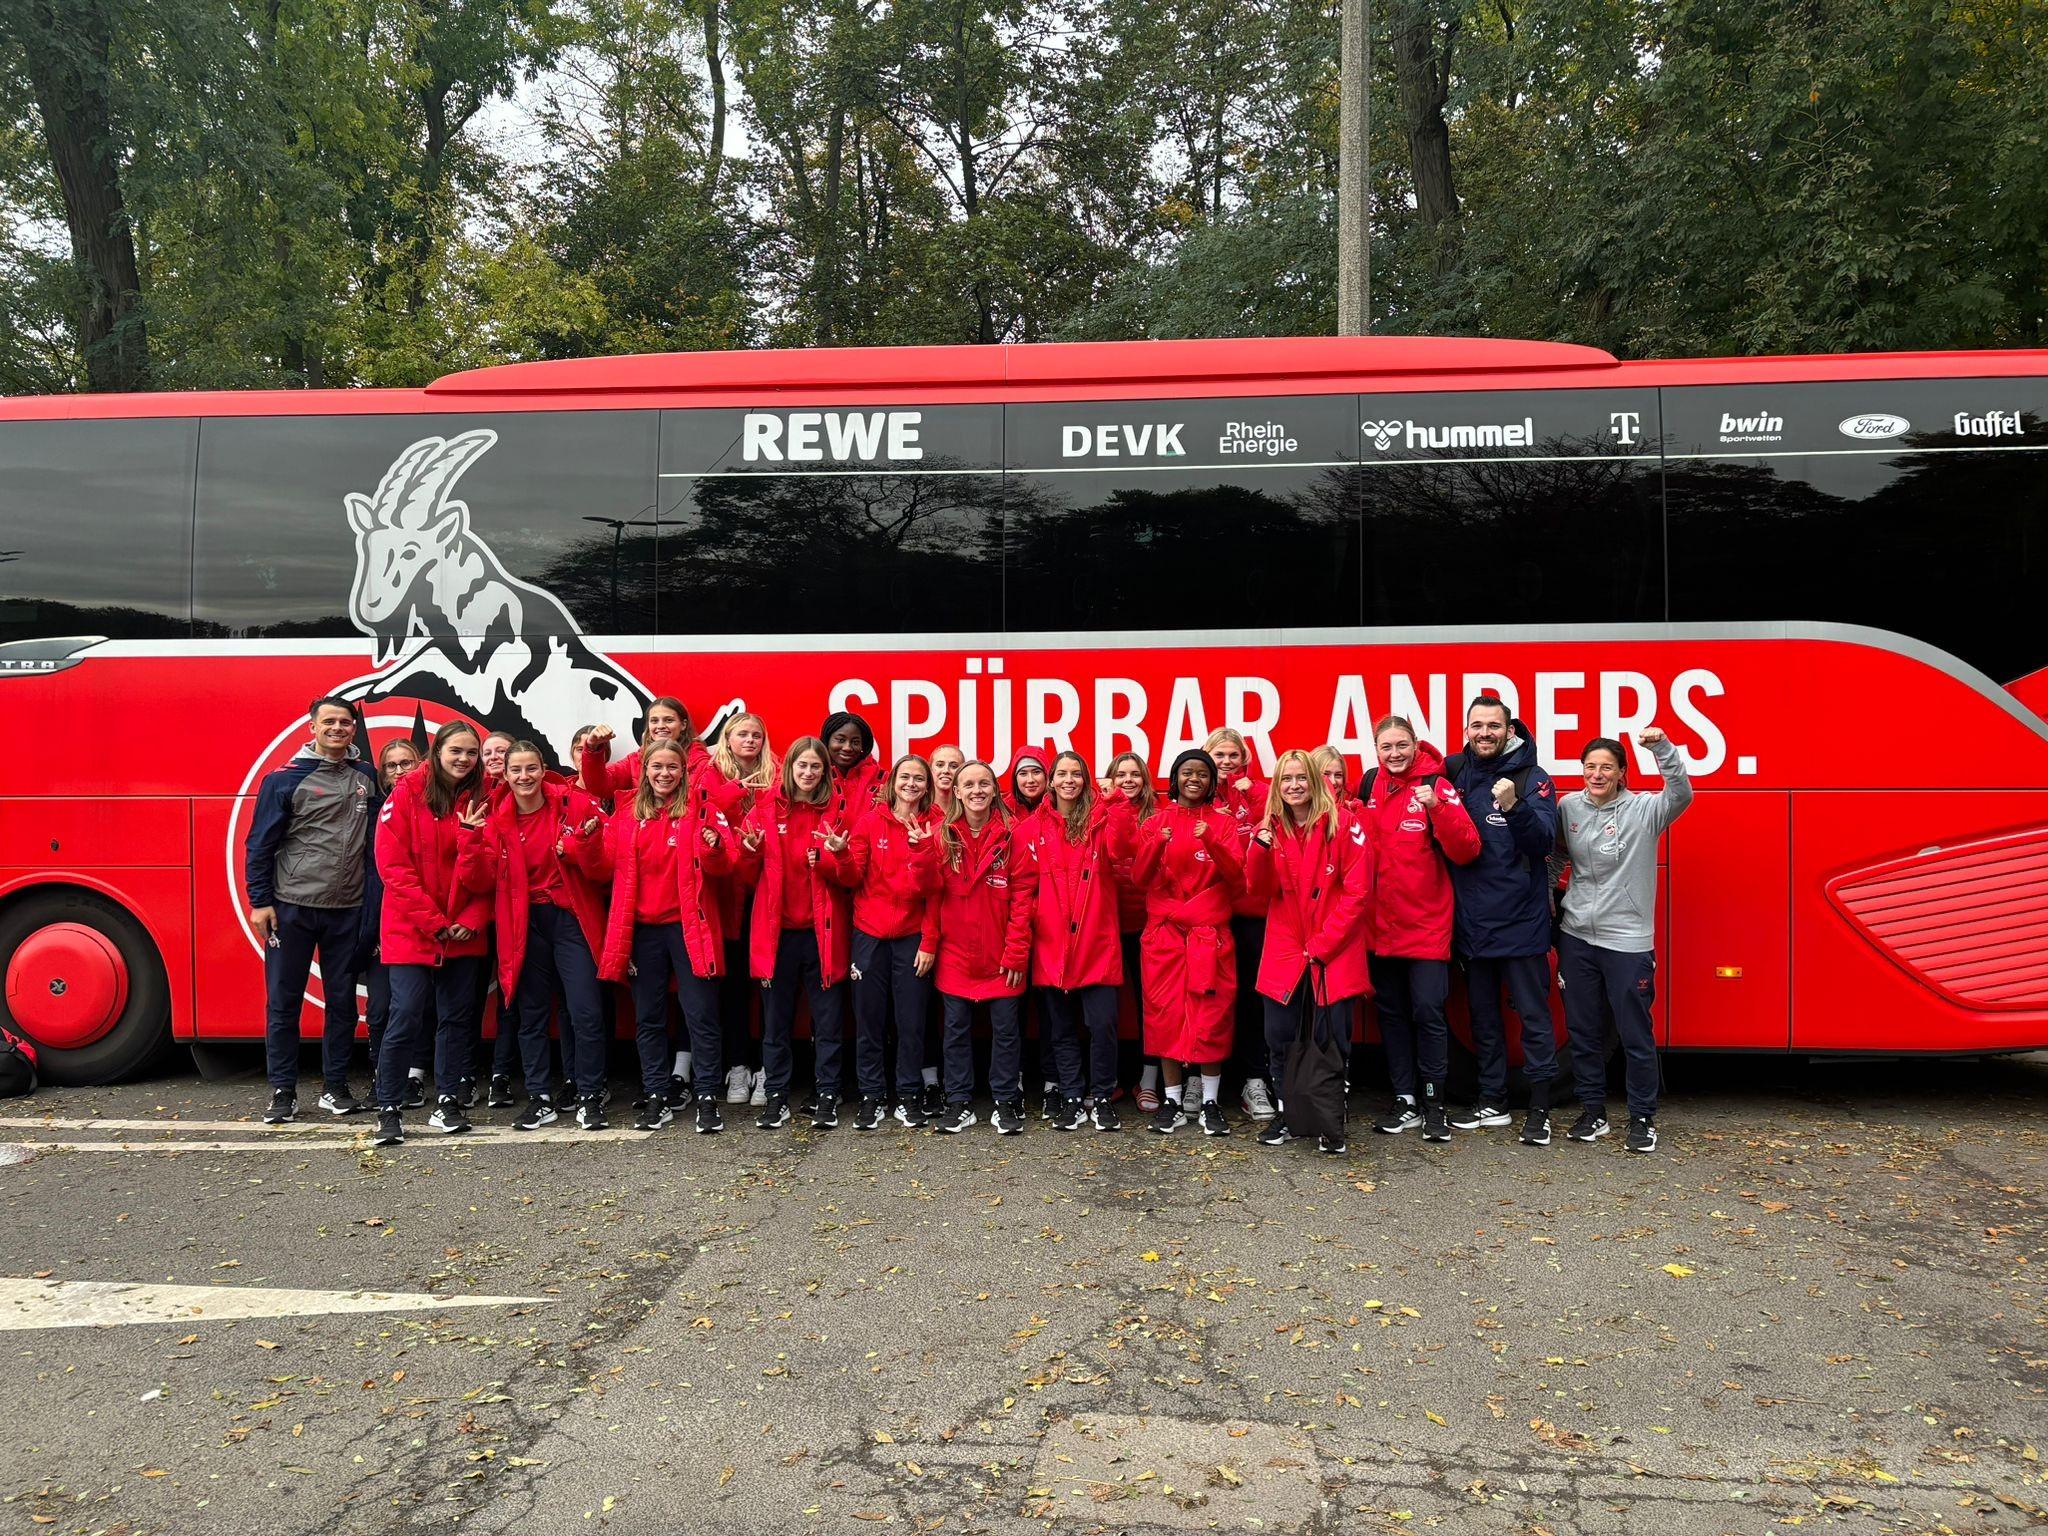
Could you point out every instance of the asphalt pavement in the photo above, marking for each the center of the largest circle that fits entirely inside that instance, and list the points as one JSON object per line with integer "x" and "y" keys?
{"x": 1819, "y": 1305}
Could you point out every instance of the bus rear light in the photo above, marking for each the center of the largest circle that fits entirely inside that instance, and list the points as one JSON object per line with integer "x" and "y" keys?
{"x": 1969, "y": 920}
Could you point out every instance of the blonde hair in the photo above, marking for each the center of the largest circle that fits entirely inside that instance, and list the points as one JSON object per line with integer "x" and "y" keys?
{"x": 1389, "y": 722}
{"x": 646, "y": 803}
{"x": 1320, "y": 802}
{"x": 1324, "y": 758}
{"x": 1224, "y": 733}
{"x": 1147, "y": 798}
{"x": 797, "y": 749}
{"x": 766, "y": 768}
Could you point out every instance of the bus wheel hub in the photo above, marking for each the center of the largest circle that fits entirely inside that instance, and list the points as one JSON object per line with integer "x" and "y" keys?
{"x": 66, "y": 985}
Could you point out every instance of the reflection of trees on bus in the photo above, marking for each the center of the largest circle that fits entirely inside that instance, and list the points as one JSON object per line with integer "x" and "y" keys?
{"x": 1568, "y": 532}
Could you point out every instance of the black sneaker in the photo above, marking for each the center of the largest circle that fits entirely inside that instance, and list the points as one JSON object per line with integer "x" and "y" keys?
{"x": 774, "y": 1114}
{"x": 1050, "y": 1102}
{"x": 339, "y": 1102}
{"x": 809, "y": 1105}
{"x": 710, "y": 1118}
{"x": 1168, "y": 1117}
{"x": 390, "y": 1128}
{"x": 1104, "y": 1115}
{"x": 867, "y": 1115}
{"x": 284, "y": 1108}
{"x": 934, "y": 1101}
{"x": 1403, "y": 1116}
{"x": 538, "y": 1112}
{"x": 1436, "y": 1125}
{"x": 465, "y": 1095}
{"x": 1274, "y": 1134}
{"x": 1536, "y": 1127}
{"x": 1642, "y": 1134}
{"x": 911, "y": 1112}
{"x": 1213, "y": 1123}
{"x": 449, "y": 1118}
{"x": 680, "y": 1094}
{"x": 590, "y": 1114}
{"x": 1066, "y": 1114}
{"x": 415, "y": 1091}
{"x": 826, "y": 1116}
{"x": 1590, "y": 1126}
{"x": 1009, "y": 1117}
{"x": 1481, "y": 1116}
{"x": 1332, "y": 1146}
{"x": 654, "y": 1114}
{"x": 952, "y": 1121}
{"x": 501, "y": 1094}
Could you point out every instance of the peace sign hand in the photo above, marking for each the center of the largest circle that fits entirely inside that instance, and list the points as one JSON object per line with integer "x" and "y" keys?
{"x": 475, "y": 815}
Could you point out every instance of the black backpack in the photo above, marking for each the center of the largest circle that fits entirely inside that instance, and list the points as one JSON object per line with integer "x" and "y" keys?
{"x": 17, "y": 1066}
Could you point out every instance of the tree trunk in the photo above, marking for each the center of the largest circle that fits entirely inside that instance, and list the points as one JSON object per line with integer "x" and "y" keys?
{"x": 829, "y": 268}
{"x": 714, "y": 67}
{"x": 68, "y": 47}
{"x": 1422, "y": 70}
{"x": 970, "y": 173}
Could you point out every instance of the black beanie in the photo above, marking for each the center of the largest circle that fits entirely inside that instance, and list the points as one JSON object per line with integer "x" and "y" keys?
{"x": 843, "y": 717}
{"x": 1192, "y": 755}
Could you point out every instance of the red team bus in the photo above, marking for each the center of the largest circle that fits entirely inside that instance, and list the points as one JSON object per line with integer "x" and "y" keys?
{"x": 1820, "y": 575}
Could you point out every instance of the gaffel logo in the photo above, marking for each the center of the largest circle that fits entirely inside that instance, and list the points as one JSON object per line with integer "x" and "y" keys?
{"x": 812, "y": 437}
{"x": 1752, "y": 429}
{"x": 1120, "y": 440}
{"x": 1990, "y": 424}
{"x": 1415, "y": 434}
{"x": 1874, "y": 426}
{"x": 1255, "y": 438}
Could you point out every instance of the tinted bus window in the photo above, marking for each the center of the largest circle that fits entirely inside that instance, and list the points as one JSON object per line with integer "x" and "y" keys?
{"x": 1917, "y": 506}
{"x": 96, "y": 528}
{"x": 1183, "y": 514}
{"x": 561, "y": 501}
{"x": 855, "y": 521}
{"x": 1512, "y": 507}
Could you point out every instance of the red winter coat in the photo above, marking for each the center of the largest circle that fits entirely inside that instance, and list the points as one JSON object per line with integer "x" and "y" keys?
{"x": 1246, "y": 809}
{"x": 891, "y": 884}
{"x": 1075, "y": 938}
{"x": 697, "y": 870}
{"x": 604, "y": 778}
{"x": 730, "y": 889}
{"x": 1317, "y": 891}
{"x": 581, "y": 891}
{"x": 436, "y": 872}
{"x": 1186, "y": 960}
{"x": 984, "y": 914}
{"x": 786, "y": 827}
{"x": 855, "y": 791}
{"x": 1412, "y": 902}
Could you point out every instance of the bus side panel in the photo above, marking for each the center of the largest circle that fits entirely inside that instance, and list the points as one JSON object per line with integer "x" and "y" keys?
{"x": 230, "y": 963}
{"x": 95, "y": 833}
{"x": 159, "y": 899}
{"x": 1849, "y": 995}
{"x": 1730, "y": 860}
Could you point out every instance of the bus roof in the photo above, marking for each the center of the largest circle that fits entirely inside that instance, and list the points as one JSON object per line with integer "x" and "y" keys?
{"x": 1038, "y": 371}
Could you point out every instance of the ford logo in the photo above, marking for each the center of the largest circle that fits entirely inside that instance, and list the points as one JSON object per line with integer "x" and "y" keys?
{"x": 1874, "y": 425}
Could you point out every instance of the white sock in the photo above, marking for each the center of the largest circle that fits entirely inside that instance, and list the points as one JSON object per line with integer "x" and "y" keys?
{"x": 931, "y": 1077}
{"x": 1173, "y": 1092}
{"x": 1212, "y": 1085}
{"x": 1149, "y": 1078}
{"x": 419, "y": 1073}
{"x": 682, "y": 1064}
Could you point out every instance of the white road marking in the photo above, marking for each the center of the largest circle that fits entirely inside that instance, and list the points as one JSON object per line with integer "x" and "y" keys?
{"x": 286, "y": 1138}
{"x": 26, "y": 1303}
{"x": 350, "y": 1126}
{"x": 416, "y": 1139}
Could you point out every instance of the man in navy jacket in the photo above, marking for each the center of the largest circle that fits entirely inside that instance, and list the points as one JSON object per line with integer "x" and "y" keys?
{"x": 1503, "y": 913}
{"x": 306, "y": 863}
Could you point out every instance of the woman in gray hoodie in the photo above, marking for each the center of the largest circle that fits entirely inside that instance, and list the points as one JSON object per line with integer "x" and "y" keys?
{"x": 1606, "y": 954}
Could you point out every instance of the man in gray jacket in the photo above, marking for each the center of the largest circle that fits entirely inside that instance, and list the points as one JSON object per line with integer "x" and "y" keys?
{"x": 1606, "y": 954}
{"x": 305, "y": 863}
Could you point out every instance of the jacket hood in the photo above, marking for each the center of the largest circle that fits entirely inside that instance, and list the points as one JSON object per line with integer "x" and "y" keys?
{"x": 307, "y": 749}
{"x": 1519, "y": 753}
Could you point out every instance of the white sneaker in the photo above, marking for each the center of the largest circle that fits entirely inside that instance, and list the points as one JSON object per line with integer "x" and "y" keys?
{"x": 737, "y": 1084}
{"x": 1258, "y": 1103}
{"x": 759, "y": 1096}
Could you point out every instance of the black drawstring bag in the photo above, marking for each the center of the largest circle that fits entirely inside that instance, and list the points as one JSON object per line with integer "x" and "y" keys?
{"x": 17, "y": 1066}
{"x": 1312, "y": 1092}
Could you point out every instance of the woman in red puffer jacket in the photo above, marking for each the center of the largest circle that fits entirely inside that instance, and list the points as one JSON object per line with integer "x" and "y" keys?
{"x": 1418, "y": 828}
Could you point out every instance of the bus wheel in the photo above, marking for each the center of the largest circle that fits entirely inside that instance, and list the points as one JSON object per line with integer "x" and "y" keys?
{"x": 84, "y": 984}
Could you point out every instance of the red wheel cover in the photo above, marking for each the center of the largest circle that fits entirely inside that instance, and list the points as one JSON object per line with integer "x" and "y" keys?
{"x": 66, "y": 985}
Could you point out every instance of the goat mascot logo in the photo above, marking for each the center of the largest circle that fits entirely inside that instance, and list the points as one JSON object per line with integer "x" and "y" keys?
{"x": 463, "y": 631}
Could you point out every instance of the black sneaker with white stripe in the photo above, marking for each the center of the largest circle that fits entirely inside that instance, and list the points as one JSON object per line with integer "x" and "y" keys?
{"x": 1642, "y": 1134}
{"x": 1066, "y": 1114}
{"x": 774, "y": 1114}
{"x": 1536, "y": 1127}
{"x": 284, "y": 1108}
{"x": 339, "y": 1102}
{"x": 1213, "y": 1123}
{"x": 1590, "y": 1126}
{"x": 590, "y": 1113}
{"x": 390, "y": 1128}
{"x": 1484, "y": 1115}
{"x": 1168, "y": 1117}
{"x": 654, "y": 1114}
{"x": 450, "y": 1118}
{"x": 954, "y": 1119}
{"x": 539, "y": 1111}
{"x": 710, "y": 1118}
{"x": 1105, "y": 1117}
{"x": 1401, "y": 1116}
{"x": 867, "y": 1114}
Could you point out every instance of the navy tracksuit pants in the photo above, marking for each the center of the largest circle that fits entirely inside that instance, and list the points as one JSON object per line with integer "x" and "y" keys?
{"x": 1599, "y": 985}
{"x": 302, "y": 932}
{"x": 1526, "y": 979}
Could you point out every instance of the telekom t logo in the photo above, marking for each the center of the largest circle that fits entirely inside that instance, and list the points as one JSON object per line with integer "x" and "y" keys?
{"x": 1626, "y": 426}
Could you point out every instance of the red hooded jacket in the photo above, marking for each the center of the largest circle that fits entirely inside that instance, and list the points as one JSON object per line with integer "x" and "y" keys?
{"x": 891, "y": 881}
{"x": 697, "y": 868}
{"x": 786, "y": 828}
{"x": 1317, "y": 888}
{"x": 1186, "y": 956}
{"x": 565, "y": 809}
{"x": 855, "y": 791}
{"x": 1412, "y": 900}
{"x": 604, "y": 778}
{"x": 1075, "y": 938}
{"x": 436, "y": 873}
{"x": 1246, "y": 809}
{"x": 984, "y": 913}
